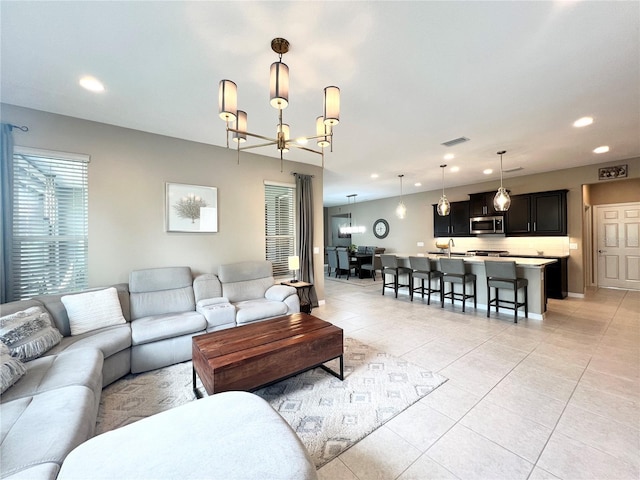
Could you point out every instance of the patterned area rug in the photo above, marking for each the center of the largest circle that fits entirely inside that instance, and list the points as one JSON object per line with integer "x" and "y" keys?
{"x": 327, "y": 414}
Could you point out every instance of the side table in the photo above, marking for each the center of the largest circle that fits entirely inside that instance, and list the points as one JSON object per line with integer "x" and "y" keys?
{"x": 303, "y": 290}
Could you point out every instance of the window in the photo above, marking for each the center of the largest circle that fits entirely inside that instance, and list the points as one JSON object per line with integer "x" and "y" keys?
{"x": 279, "y": 225}
{"x": 50, "y": 222}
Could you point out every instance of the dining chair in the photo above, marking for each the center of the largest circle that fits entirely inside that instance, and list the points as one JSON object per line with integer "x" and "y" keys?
{"x": 422, "y": 270}
{"x": 344, "y": 263}
{"x": 370, "y": 263}
{"x": 503, "y": 275}
{"x": 390, "y": 266}
{"x": 453, "y": 271}
{"x": 332, "y": 258}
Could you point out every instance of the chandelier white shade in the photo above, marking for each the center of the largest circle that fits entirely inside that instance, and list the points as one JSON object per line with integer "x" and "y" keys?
{"x": 502, "y": 200}
{"x": 443, "y": 207}
{"x": 228, "y": 100}
{"x": 401, "y": 209}
{"x": 237, "y": 122}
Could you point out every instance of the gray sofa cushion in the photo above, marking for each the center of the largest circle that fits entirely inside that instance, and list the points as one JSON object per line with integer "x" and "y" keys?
{"x": 81, "y": 367}
{"x": 247, "y": 290}
{"x": 160, "y": 327}
{"x": 206, "y": 286}
{"x": 231, "y": 435}
{"x": 158, "y": 291}
{"x": 109, "y": 340}
{"x": 260, "y": 309}
{"x": 44, "y": 428}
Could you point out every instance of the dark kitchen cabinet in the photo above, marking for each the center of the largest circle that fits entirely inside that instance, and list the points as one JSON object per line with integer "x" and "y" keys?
{"x": 456, "y": 224}
{"x": 556, "y": 279}
{"x": 481, "y": 204}
{"x": 541, "y": 214}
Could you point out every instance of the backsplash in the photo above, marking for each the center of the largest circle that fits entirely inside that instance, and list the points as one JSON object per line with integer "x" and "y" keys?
{"x": 549, "y": 246}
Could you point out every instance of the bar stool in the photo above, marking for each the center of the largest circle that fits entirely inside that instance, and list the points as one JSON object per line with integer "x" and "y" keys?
{"x": 453, "y": 272}
{"x": 503, "y": 275}
{"x": 390, "y": 267}
{"x": 421, "y": 267}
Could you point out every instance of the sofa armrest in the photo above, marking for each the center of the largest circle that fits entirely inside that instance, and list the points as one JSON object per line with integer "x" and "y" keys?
{"x": 205, "y": 302}
{"x": 279, "y": 292}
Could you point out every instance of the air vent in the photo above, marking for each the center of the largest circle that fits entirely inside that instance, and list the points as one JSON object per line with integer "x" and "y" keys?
{"x": 509, "y": 170}
{"x": 455, "y": 141}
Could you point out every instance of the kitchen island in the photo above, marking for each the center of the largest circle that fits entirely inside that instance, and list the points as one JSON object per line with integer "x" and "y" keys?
{"x": 533, "y": 269}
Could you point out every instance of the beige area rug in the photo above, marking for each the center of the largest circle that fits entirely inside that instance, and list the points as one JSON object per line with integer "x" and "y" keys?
{"x": 327, "y": 414}
{"x": 354, "y": 280}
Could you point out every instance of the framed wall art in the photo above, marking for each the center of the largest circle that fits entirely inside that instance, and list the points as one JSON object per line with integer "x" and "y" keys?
{"x": 191, "y": 208}
{"x": 609, "y": 173}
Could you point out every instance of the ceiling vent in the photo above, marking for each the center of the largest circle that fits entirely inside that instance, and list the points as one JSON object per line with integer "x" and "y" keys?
{"x": 455, "y": 141}
{"x": 509, "y": 170}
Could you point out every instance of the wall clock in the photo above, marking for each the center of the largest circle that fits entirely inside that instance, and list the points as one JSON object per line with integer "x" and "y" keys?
{"x": 381, "y": 228}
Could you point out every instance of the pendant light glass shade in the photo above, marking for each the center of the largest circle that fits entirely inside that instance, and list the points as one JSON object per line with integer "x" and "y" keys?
{"x": 241, "y": 126}
{"x": 227, "y": 100}
{"x": 331, "y": 106}
{"x": 502, "y": 200}
{"x": 401, "y": 209}
{"x": 322, "y": 129}
{"x": 279, "y": 85}
{"x": 443, "y": 207}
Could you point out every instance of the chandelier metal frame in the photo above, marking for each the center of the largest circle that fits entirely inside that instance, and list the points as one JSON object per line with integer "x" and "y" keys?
{"x": 236, "y": 120}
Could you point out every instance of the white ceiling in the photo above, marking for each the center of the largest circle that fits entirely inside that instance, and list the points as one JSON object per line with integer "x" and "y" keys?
{"x": 507, "y": 75}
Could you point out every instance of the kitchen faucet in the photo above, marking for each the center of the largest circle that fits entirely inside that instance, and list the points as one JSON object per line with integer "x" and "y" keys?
{"x": 451, "y": 244}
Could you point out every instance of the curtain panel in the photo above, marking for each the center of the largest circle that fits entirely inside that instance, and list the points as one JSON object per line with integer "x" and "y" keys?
{"x": 6, "y": 220}
{"x": 304, "y": 210}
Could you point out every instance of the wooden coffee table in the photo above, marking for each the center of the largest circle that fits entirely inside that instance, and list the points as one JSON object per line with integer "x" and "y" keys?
{"x": 252, "y": 356}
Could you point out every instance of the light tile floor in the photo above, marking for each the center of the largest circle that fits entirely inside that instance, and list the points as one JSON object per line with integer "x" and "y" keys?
{"x": 541, "y": 399}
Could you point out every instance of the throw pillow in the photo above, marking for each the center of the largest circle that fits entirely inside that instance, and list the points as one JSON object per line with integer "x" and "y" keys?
{"x": 11, "y": 369}
{"x": 29, "y": 333}
{"x": 93, "y": 310}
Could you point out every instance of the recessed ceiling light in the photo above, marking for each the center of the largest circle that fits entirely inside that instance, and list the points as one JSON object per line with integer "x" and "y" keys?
{"x": 488, "y": 171}
{"x": 374, "y": 175}
{"x": 92, "y": 84}
{"x": 454, "y": 169}
{"x": 583, "y": 122}
{"x": 449, "y": 156}
{"x": 602, "y": 149}
{"x": 417, "y": 184}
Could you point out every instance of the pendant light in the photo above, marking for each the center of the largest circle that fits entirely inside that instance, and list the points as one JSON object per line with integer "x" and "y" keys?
{"x": 353, "y": 226}
{"x": 401, "y": 209}
{"x": 443, "y": 204}
{"x": 502, "y": 201}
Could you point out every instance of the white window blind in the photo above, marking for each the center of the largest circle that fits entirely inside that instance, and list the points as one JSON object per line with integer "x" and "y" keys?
{"x": 50, "y": 223}
{"x": 280, "y": 228}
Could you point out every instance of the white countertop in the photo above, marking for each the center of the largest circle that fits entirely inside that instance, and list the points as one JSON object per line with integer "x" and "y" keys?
{"x": 520, "y": 261}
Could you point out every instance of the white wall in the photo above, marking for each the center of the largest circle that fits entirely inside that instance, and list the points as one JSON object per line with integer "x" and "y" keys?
{"x": 127, "y": 176}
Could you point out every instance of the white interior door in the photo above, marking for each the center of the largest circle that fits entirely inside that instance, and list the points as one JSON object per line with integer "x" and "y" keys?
{"x": 617, "y": 247}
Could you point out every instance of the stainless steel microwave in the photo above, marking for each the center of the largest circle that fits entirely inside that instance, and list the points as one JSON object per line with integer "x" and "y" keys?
{"x": 486, "y": 225}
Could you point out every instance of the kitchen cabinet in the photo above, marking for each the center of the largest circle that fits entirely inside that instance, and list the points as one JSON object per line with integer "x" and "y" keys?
{"x": 538, "y": 214}
{"x": 481, "y": 204}
{"x": 456, "y": 224}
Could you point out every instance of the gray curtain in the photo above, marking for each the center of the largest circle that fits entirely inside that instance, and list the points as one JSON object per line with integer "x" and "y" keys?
{"x": 6, "y": 223}
{"x": 304, "y": 222}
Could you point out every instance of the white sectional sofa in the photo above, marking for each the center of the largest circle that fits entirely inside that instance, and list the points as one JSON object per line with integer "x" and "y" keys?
{"x": 53, "y": 408}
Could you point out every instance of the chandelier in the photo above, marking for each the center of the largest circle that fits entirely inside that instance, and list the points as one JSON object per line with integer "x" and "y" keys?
{"x": 443, "y": 204}
{"x": 502, "y": 201}
{"x": 352, "y": 227}
{"x": 236, "y": 120}
{"x": 401, "y": 209}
